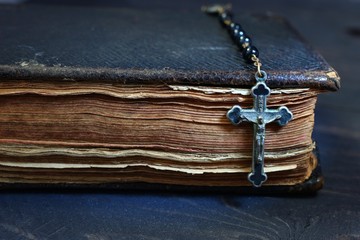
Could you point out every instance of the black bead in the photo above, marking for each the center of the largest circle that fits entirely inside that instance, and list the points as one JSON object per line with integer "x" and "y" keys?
{"x": 249, "y": 52}
{"x": 237, "y": 35}
{"x": 239, "y": 40}
{"x": 244, "y": 42}
{"x": 225, "y": 18}
{"x": 233, "y": 26}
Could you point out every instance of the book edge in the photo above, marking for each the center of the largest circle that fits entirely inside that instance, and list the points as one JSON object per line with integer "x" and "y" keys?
{"x": 309, "y": 186}
{"x": 323, "y": 80}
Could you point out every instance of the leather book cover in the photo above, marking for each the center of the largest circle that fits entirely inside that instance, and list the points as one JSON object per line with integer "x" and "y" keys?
{"x": 46, "y": 50}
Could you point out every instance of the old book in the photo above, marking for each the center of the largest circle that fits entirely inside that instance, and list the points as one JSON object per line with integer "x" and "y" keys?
{"x": 111, "y": 96}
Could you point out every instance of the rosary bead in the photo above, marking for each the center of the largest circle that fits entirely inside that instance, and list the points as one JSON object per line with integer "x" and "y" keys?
{"x": 240, "y": 39}
{"x": 233, "y": 26}
{"x": 244, "y": 42}
{"x": 248, "y": 52}
{"x": 225, "y": 18}
{"x": 237, "y": 35}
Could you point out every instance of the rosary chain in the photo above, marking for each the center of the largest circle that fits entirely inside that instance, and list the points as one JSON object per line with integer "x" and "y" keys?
{"x": 250, "y": 53}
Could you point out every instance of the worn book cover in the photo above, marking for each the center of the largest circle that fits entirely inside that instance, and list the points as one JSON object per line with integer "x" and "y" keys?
{"x": 121, "y": 96}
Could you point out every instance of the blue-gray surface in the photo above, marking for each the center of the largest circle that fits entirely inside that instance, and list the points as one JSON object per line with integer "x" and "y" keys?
{"x": 157, "y": 216}
{"x": 333, "y": 27}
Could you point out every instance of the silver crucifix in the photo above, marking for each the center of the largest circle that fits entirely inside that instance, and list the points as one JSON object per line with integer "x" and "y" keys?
{"x": 259, "y": 115}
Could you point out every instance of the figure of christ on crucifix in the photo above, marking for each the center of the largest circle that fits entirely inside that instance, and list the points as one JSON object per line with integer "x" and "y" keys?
{"x": 259, "y": 115}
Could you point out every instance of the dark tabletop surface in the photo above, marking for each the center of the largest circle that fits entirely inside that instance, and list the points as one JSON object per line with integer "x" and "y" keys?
{"x": 333, "y": 28}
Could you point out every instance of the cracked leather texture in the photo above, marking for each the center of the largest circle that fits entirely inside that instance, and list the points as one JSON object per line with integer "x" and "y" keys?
{"x": 137, "y": 46}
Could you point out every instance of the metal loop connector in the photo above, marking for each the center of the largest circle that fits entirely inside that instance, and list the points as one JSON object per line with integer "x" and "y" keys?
{"x": 257, "y": 63}
{"x": 261, "y": 76}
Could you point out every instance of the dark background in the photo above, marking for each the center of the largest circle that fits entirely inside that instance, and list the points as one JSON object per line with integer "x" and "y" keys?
{"x": 333, "y": 28}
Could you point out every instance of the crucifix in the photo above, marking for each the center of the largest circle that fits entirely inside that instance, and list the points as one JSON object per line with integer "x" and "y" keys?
{"x": 259, "y": 115}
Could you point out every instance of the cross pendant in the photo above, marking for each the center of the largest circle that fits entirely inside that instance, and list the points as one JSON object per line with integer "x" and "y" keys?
{"x": 259, "y": 115}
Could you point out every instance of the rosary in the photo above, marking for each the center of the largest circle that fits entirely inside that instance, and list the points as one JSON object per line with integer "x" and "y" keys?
{"x": 259, "y": 115}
